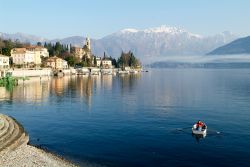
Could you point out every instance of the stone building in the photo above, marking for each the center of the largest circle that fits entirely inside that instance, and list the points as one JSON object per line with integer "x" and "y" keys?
{"x": 80, "y": 53}
{"x": 56, "y": 63}
{"x": 29, "y": 56}
{"x": 39, "y": 50}
{"x": 4, "y": 62}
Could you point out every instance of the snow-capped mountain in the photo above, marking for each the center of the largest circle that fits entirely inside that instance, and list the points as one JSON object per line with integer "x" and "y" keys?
{"x": 159, "y": 41}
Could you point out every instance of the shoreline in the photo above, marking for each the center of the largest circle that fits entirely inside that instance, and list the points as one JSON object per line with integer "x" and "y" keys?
{"x": 28, "y": 155}
{"x": 16, "y": 152}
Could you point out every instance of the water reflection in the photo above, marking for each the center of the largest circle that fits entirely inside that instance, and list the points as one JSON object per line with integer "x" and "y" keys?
{"x": 128, "y": 82}
{"x": 5, "y": 94}
{"x": 37, "y": 90}
{"x": 133, "y": 114}
{"x": 198, "y": 137}
{"x": 83, "y": 87}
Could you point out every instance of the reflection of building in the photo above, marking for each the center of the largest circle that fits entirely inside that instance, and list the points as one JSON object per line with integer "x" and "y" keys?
{"x": 4, "y": 62}
{"x": 56, "y": 63}
{"x": 86, "y": 86}
{"x": 28, "y": 56}
{"x": 107, "y": 81}
{"x": 128, "y": 82}
{"x": 5, "y": 95}
{"x": 58, "y": 85}
{"x": 32, "y": 91}
{"x": 79, "y": 53}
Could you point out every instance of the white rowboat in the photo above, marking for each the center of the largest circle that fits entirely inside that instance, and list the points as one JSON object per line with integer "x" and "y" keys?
{"x": 196, "y": 131}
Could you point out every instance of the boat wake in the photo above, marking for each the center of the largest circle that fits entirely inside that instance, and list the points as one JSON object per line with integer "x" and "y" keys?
{"x": 188, "y": 130}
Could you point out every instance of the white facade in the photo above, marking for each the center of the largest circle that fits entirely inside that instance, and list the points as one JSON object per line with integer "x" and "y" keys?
{"x": 98, "y": 61}
{"x": 65, "y": 64}
{"x": 4, "y": 62}
{"x": 24, "y": 56}
{"x": 43, "y": 52}
{"x": 39, "y": 50}
{"x": 107, "y": 63}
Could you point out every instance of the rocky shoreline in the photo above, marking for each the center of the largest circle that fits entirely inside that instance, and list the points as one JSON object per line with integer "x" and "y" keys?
{"x": 15, "y": 151}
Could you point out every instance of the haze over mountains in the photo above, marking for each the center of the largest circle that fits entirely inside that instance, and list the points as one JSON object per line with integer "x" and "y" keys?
{"x": 160, "y": 41}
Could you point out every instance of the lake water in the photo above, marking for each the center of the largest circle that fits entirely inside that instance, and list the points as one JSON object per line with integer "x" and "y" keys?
{"x": 138, "y": 120}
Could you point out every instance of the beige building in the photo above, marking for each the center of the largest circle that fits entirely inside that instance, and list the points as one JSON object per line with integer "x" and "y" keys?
{"x": 56, "y": 63}
{"x": 22, "y": 56}
{"x": 79, "y": 53}
{"x": 104, "y": 63}
{"x": 39, "y": 50}
{"x": 4, "y": 62}
{"x": 29, "y": 56}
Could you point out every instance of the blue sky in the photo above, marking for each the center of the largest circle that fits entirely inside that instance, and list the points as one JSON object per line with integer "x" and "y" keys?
{"x": 97, "y": 18}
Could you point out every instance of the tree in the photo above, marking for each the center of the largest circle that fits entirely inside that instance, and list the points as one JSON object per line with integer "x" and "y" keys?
{"x": 114, "y": 63}
{"x": 6, "y": 51}
{"x": 39, "y": 44}
{"x": 72, "y": 61}
{"x": 95, "y": 62}
{"x": 128, "y": 59}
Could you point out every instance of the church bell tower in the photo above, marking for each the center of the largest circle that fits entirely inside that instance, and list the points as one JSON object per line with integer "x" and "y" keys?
{"x": 88, "y": 43}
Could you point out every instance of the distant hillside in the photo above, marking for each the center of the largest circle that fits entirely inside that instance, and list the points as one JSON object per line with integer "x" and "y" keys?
{"x": 239, "y": 46}
{"x": 24, "y": 38}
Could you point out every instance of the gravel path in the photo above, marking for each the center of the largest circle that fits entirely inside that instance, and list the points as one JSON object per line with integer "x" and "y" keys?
{"x": 29, "y": 156}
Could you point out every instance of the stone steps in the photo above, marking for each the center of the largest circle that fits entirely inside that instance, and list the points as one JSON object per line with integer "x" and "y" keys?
{"x": 12, "y": 137}
{"x": 9, "y": 130}
{"x": 12, "y": 134}
{"x": 5, "y": 127}
{"x": 1, "y": 124}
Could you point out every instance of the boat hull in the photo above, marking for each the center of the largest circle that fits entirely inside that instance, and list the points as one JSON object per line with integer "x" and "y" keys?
{"x": 198, "y": 132}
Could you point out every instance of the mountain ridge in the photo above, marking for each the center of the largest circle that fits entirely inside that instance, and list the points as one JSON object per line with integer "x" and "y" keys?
{"x": 238, "y": 46}
{"x": 151, "y": 42}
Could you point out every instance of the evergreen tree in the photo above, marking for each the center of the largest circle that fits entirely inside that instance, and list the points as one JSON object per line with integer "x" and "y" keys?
{"x": 95, "y": 62}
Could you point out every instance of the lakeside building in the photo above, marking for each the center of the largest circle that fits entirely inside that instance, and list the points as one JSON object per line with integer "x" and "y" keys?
{"x": 56, "y": 63}
{"x": 98, "y": 61}
{"x": 28, "y": 57}
{"x": 104, "y": 63}
{"x": 39, "y": 50}
{"x": 80, "y": 53}
{"x": 4, "y": 62}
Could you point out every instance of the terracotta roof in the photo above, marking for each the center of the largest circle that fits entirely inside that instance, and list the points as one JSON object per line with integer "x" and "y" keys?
{"x": 53, "y": 58}
{"x": 19, "y": 50}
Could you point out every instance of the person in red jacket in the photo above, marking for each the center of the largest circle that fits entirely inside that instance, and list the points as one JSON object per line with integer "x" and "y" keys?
{"x": 200, "y": 125}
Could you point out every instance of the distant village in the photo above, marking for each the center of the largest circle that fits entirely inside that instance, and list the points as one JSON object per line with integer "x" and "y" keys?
{"x": 62, "y": 59}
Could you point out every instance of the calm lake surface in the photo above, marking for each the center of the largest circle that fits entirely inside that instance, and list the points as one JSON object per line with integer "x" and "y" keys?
{"x": 138, "y": 120}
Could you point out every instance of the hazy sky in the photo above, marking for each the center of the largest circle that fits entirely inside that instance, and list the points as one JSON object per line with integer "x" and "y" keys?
{"x": 97, "y": 18}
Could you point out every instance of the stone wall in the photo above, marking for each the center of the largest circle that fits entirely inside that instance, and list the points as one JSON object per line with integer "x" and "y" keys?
{"x": 30, "y": 73}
